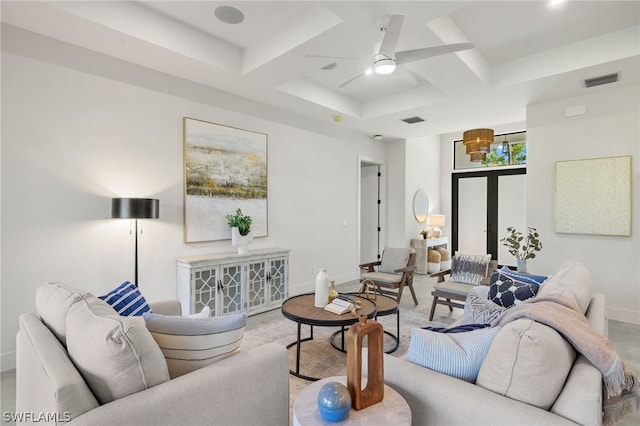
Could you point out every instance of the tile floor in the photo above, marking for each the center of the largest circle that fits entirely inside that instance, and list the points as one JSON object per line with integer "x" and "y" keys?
{"x": 625, "y": 337}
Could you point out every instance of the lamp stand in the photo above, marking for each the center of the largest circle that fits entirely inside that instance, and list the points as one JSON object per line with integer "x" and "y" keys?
{"x": 136, "y": 257}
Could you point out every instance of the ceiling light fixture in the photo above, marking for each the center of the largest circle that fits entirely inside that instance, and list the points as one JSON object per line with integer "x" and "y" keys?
{"x": 478, "y": 143}
{"x": 555, "y": 3}
{"x": 383, "y": 65}
{"x": 229, "y": 15}
{"x": 377, "y": 137}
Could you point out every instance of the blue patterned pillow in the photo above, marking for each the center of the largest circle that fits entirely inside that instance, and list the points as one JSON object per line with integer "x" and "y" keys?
{"x": 508, "y": 291}
{"x": 455, "y": 354}
{"x": 538, "y": 279}
{"x": 127, "y": 300}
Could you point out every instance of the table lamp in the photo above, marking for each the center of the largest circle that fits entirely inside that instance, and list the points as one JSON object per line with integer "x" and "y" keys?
{"x": 135, "y": 208}
{"x": 435, "y": 221}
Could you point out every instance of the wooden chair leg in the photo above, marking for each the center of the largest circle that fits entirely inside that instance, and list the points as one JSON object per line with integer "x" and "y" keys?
{"x": 413, "y": 293}
{"x": 433, "y": 307}
{"x": 400, "y": 292}
{"x": 450, "y": 307}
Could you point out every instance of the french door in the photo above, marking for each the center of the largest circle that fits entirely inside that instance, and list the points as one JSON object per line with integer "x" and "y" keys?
{"x": 485, "y": 203}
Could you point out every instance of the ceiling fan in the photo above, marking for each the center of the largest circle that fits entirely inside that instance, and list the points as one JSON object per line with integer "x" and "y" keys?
{"x": 386, "y": 60}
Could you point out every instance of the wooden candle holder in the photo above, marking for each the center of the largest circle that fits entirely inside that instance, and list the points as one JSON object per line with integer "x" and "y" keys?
{"x": 374, "y": 391}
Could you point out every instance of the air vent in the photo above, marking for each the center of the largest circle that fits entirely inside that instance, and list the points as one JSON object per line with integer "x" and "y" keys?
{"x": 412, "y": 120}
{"x": 603, "y": 79}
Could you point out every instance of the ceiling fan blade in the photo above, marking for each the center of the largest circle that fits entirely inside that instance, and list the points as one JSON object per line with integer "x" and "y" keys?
{"x": 407, "y": 56}
{"x": 391, "y": 36}
{"x": 334, "y": 57}
{"x": 351, "y": 79}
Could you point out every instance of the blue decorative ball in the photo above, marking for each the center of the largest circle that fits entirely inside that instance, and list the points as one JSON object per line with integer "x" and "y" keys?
{"x": 334, "y": 402}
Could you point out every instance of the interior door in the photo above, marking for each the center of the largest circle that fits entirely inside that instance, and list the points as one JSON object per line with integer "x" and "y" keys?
{"x": 485, "y": 204}
{"x": 472, "y": 215}
{"x": 369, "y": 212}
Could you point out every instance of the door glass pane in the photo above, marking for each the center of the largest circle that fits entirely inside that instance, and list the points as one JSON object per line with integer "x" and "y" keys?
{"x": 472, "y": 215}
{"x": 511, "y": 211}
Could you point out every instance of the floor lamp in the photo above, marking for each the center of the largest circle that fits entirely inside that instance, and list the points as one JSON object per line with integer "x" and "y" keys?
{"x": 135, "y": 208}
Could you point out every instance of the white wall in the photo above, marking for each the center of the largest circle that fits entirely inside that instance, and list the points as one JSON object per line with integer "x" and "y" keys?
{"x": 72, "y": 140}
{"x": 610, "y": 127}
{"x": 422, "y": 172}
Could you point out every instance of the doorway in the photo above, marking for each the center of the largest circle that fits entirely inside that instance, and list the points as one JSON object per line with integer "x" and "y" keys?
{"x": 370, "y": 210}
{"x": 485, "y": 203}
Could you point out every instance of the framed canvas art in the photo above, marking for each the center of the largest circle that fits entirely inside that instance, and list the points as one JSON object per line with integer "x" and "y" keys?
{"x": 225, "y": 168}
{"x": 593, "y": 196}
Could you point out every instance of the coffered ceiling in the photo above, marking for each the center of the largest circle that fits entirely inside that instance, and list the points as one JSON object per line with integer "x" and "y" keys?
{"x": 524, "y": 52}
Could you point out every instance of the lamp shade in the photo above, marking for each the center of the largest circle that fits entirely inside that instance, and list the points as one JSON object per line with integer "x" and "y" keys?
{"x": 436, "y": 220}
{"x": 135, "y": 208}
{"x": 478, "y": 143}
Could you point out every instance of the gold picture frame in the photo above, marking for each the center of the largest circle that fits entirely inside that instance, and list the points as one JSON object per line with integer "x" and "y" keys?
{"x": 593, "y": 196}
{"x": 225, "y": 168}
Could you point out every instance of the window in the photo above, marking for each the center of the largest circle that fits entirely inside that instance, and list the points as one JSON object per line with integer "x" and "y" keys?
{"x": 508, "y": 149}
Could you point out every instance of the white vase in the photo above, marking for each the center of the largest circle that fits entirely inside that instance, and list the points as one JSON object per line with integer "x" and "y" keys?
{"x": 521, "y": 265}
{"x": 240, "y": 241}
{"x": 322, "y": 289}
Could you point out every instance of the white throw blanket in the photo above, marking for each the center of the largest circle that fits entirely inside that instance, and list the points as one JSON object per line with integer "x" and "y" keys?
{"x": 561, "y": 313}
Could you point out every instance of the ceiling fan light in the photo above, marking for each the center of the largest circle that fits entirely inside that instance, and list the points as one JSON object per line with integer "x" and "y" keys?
{"x": 384, "y": 66}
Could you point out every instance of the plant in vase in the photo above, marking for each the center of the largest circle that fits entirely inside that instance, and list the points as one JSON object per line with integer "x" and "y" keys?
{"x": 522, "y": 247}
{"x": 240, "y": 230}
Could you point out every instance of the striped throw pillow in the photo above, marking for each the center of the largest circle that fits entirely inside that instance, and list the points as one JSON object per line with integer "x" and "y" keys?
{"x": 455, "y": 354}
{"x": 192, "y": 343}
{"x": 127, "y": 300}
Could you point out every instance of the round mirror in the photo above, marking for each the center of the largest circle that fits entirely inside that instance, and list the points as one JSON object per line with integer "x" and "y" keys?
{"x": 421, "y": 206}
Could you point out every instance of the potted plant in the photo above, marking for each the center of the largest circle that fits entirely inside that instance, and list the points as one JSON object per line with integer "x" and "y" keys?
{"x": 522, "y": 247}
{"x": 240, "y": 230}
{"x": 425, "y": 233}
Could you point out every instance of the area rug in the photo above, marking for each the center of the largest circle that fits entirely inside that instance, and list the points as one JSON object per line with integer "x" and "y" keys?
{"x": 318, "y": 357}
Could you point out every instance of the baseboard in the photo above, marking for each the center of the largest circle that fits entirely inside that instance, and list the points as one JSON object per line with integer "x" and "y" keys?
{"x": 7, "y": 361}
{"x": 623, "y": 315}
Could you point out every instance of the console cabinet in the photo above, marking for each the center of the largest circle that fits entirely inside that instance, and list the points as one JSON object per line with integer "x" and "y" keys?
{"x": 254, "y": 282}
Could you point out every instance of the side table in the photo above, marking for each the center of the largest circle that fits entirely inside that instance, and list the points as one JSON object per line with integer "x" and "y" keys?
{"x": 392, "y": 410}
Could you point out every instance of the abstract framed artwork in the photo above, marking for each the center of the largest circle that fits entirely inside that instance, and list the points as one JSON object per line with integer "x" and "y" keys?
{"x": 225, "y": 168}
{"x": 593, "y": 196}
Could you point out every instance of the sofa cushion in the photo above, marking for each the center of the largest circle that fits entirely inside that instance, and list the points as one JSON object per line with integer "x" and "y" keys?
{"x": 508, "y": 290}
{"x": 528, "y": 362}
{"x": 127, "y": 300}
{"x": 394, "y": 258}
{"x": 469, "y": 268}
{"x": 455, "y": 354}
{"x": 116, "y": 355}
{"x": 573, "y": 279}
{"x": 191, "y": 343}
{"x": 53, "y": 300}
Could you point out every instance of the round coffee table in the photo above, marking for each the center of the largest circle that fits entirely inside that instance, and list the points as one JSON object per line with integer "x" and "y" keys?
{"x": 392, "y": 410}
{"x": 301, "y": 310}
{"x": 385, "y": 305}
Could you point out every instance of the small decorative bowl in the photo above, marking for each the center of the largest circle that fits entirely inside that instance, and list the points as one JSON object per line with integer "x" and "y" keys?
{"x": 334, "y": 402}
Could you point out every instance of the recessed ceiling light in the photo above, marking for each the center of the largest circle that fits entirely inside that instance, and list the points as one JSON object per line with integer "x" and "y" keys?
{"x": 555, "y": 3}
{"x": 229, "y": 15}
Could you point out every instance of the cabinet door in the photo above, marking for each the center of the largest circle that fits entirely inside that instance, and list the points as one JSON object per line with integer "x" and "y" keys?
{"x": 230, "y": 291}
{"x": 205, "y": 287}
{"x": 278, "y": 279}
{"x": 256, "y": 282}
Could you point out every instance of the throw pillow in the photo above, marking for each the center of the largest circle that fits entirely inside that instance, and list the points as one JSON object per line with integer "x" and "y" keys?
{"x": 394, "y": 258}
{"x": 191, "y": 343}
{"x": 53, "y": 300}
{"x": 478, "y": 309}
{"x": 528, "y": 362}
{"x": 469, "y": 268}
{"x": 116, "y": 355}
{"x": 127, "y": 300}
{"x": 455, "y": 354}
{"x": 538, "y": 279}
{"x": 508, "y": 291}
